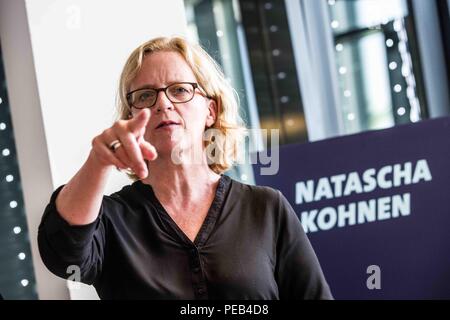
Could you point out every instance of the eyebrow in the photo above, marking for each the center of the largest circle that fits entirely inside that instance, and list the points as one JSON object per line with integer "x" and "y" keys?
{"x": 148, "y": 86}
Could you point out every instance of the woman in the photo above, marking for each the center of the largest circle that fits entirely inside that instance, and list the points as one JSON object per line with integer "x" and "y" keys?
{"x": 182, "y": 229}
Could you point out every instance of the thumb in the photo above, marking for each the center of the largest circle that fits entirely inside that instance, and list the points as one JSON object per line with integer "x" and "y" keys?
{"x": 138, "y": 123}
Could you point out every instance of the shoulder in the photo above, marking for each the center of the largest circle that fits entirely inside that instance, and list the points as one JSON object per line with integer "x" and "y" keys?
{"x": 262, "y": 193}
{"x": 264, "y": 199}
{"x": 263, "y": 207}
{"x": 257, "y": 198}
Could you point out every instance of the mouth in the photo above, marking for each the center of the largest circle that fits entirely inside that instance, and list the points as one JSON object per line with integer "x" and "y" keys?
{"x": 167, "y": 123}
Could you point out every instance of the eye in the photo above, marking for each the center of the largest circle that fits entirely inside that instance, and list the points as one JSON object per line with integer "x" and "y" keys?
{"x": 178, "y": 90}
{"x": 181, "y": 89}
{"x": 145, "y": 96}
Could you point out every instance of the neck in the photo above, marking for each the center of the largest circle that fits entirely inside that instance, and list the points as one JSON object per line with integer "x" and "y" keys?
{"x": 185, "y": 181}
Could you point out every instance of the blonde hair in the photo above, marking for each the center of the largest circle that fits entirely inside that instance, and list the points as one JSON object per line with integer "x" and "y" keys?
{"x": 211, "y": 79}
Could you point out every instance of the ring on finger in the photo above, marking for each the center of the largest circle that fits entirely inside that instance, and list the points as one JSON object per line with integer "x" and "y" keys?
{"x": 113, "y": 146}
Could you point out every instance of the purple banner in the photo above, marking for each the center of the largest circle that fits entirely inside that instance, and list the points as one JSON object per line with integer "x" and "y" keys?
{"x": 376, "y": 208}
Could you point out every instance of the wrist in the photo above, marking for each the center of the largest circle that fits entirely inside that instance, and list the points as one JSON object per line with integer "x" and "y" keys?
{"x": 96, "y": 165}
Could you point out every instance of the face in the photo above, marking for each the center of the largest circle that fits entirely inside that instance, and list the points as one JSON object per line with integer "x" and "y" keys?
{"x": 159, "y": 70}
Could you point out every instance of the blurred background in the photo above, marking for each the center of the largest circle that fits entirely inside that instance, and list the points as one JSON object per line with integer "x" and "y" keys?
{"x": 313, "y": 69}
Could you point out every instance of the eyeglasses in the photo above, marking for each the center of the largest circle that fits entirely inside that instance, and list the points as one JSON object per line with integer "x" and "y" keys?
{"x": 179, "y": 92}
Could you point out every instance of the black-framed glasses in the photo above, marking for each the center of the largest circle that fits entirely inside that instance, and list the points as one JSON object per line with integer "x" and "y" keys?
{"x": 179, "y": 92}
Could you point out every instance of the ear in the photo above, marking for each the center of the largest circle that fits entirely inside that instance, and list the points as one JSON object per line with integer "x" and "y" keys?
{"x": 212, "y": 113}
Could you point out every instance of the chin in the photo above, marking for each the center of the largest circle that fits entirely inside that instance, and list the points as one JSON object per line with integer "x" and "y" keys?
{"x": 175, "y": 143}
{"x": 167, "y": 146}
{"x": 165, "y": 141}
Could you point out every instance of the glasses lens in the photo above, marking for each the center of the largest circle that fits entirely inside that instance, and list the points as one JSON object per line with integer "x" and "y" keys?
{"x": 143, "y": 98}
{"x": 180, "y": 92}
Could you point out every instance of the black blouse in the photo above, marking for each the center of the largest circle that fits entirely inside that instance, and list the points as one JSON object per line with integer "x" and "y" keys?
{"x": 251, "y": 246}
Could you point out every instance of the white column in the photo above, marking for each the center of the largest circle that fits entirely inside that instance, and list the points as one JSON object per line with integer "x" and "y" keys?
{"x": 432, "y": 57}
{"x": 312, "y": 43}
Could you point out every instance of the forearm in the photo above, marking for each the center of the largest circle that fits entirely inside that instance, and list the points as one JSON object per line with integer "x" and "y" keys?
{"x": 80, "y": 200}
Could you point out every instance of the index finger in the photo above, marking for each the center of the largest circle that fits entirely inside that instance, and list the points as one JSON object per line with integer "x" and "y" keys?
{"x": 137, "y": 124}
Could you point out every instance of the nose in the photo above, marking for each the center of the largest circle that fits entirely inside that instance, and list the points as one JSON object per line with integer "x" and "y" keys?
{"x": 162, "y": 102}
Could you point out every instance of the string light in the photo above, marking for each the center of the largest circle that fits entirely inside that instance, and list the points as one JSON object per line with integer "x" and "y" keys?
{"x": 398, "y": 88}
{"x": 281, "y": 75}
{"x": 13, "y": 222}
{"x": 276, "y": 52}
{"x": 393, "y": 65}
{"x": 273, "y": 28}
{"x": 334, "y": 24}
{"x": 5, "y": 152}
{"x": 389, "y": 43}
{"x": 347, "y": 93}
{"x": 219, "y": 33}
{"x": 331, "y": 2}
{"x": 351, "y": 116}
{"x": 339, "y": 47}
{"x": 268, "y": 6}
{"x": 284, "y": 99}
{"x": 414, "y": 111}
{"x": 406, "y": 72}
{"x": 398, "y": 26}
{"x": 342, "y": 70}
{"x": 401, "y": 111}
{"x": 243, "y": 177}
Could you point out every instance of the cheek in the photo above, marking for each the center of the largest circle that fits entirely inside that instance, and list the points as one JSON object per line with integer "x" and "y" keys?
{"x": 195, "y": 125}
{"x": 194, "y": 117}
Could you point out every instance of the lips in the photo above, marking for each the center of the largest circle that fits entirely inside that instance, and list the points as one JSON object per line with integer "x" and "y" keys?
{"x": 166, "y": 123}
